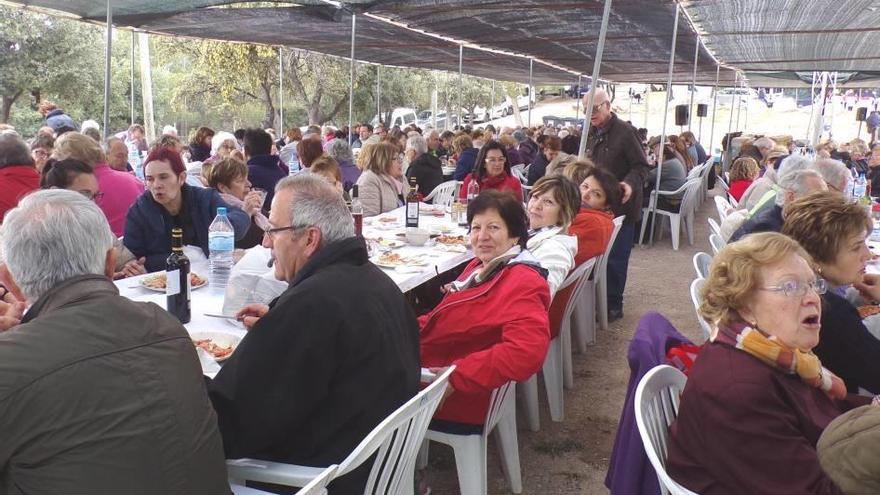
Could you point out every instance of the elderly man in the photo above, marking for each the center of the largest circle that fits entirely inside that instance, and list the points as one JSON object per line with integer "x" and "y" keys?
{"x": 434, "y": 144}
{"x": 835, "y": 173}
{"x": 793, "y": 184}
{"x": 117, "y": 154}
{"x": 18, "y": 175}
{"x": 331, "y": 357}
{"x": 424, "y": 167}
{"x": 614, "y": 145}
{"x": 98, "y": 394}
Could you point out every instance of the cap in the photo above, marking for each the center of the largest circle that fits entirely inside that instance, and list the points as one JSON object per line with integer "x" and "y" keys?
{"x": 221, "y": 210}
{"x": 777, "y": 151}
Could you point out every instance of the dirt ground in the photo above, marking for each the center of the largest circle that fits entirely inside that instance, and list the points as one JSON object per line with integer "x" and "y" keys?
{"x": 572, "y": 457}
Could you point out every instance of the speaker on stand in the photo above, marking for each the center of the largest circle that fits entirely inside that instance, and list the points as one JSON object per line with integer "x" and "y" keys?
{"x": 861, "y": 115}
{"x": 702, "y": 111}
{"x": 681, "y": 117}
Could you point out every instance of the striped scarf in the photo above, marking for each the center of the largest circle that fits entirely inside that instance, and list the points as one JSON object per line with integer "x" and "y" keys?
{"x": 790, "y": 361}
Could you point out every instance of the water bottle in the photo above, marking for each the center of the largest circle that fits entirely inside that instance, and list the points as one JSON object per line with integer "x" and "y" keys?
{"x": 859, "y": 188}
{"x": 134, "y": 159}
{"x": 473, "y": 190}
{"x": 221, "y": 243}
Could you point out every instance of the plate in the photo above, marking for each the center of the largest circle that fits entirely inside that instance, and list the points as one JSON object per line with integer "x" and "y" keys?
{"x": 453, "y": 240}
{"x": 156, "y": 283}
{"x": 394, "y": 260}
{"x": 389, "y": 243}
{"x": 218, "y": 344}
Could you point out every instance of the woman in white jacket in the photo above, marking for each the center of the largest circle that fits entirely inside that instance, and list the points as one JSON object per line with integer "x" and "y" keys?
{"x": 554, "y": 202}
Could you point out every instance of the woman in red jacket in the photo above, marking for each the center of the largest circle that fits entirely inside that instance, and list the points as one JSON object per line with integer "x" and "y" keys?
{"x": 492, "y": 323}
{"x": 492, "y": 171}
{"x": 743, "y": 172}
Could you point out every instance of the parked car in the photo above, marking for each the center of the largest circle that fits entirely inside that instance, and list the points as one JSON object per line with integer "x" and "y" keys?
{"x": 728, "y": 96}
{"x": 426, "y": 119}
{"x": 400, "y": 116}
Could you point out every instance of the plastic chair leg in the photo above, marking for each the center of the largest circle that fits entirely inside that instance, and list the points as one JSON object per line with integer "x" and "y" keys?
{"x": 470, "y": 463}
{"x": 583, "y": 318}
{"x": 422, "y": 458}
{"x": 567, "y": 371}
{"x": 529, "y": 392}
{"x": 601, "y": 301}
{"x": 675, "y": 223}
{"x": 645, "y": 216}
{"x": 553, "y": 380}
{"x": 690, "y": 227}
{"x": 508, "y": 446}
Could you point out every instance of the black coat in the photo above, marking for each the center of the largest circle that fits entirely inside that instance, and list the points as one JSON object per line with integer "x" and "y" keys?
{"x": 538, "y": 168}
{"x": 428, "y": 172}
{"x": 767, "y": 219}
{"x": 337, "y": 353}
{"x": 846, "y": 347}
{"x": 617, "y": 149}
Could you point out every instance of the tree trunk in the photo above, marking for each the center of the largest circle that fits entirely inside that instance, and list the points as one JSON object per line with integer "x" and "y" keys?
{"x": 269, "y": 118}
{"x": 8, "y": 101}
{"x": 513, "y": 104}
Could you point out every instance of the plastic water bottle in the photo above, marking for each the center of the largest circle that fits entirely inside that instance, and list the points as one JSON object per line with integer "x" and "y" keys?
{"x": 473, "y": 190}
{"x": 221, "y": 243}
{"x": 134, "y": 159}
{"x": 294, "y": 166}
{"x": 860, "y": 186}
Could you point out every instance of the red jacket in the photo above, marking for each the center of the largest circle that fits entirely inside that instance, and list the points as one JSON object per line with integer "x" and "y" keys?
{"x": 593, "y": 231}
{"x": 502, "y": 183}
{"x": 738, "y": 188}
{"x": 494, "y": 332}
{"x": 15, "y": 182}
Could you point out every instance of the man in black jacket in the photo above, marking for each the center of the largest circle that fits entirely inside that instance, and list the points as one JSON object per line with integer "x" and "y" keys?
{"x": 614, "y": 145}
{"x": 327, "y": 360}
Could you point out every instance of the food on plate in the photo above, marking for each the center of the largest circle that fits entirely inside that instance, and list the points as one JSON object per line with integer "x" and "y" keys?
{"x": 451, "y": 240}
{"x": 394, "y": 260}
{"x": 387, "y": 219}
{"x": 219, "y": 352}
{"x": 868, "y": 310}
{"x": 160, "y": 281}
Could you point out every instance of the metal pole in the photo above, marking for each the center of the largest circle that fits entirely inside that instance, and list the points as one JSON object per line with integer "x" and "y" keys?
{"x": 714, "y": 103}
{"x": 107, "y": 68}
{"x": 281, "y": 93}
{"x": 132, "y": 77}
{"x": 351, "y": 77}
{"x": 665, "y": 114}
{"x": 379, "y": 98}
{"x": 460, "y": 82}
{"x": 577, "y": 99}
{"x": 739, "y": 99}
{"x": 812, "y": 105}
{"x": 531, "y": 91}
{"x": 730, "y": 124}
{"x": 594, "y": 79}
{"x": 820, "y": 117}
{"x": 693, "y": 84}
{"x": 491, "y": 102}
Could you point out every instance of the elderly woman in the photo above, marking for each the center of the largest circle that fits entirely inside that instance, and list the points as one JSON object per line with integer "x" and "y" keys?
{"x": 326, "y": 167}
{"x": 200, "y": 146}
{"x": 513, "y": 154}
{"x": 757, "y": 397}
{"x": 309, "y": 150}
{"x": 339, "y": 150}
{"x": 424, "y": 167}
{"x": 379, "y": 188}
{"x": 673, "y": 173}
{"x": 463, "y": 148}
{"x": 554, "y": 202}
{"x": 170, "y": 202}
{"x": 76, "y": 176}
{"x": 743, "y": 172}
{"x": 41, "y": 150}
{"x": 492, "y": 171}
{"x": 229, "y": 177}
{"x": 492, "y": 323}
{"x": 222, "y": 145}
{"x": 120, "y": 189}
{"x": 833, "y": 231}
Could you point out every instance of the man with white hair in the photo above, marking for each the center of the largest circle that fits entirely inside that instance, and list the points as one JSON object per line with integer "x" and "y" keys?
{"x": 423, "y": 166}
{"x": 98, "y": 394}
{"x": 331, "y": 357}
{"x": 835, "y": 173}
{"x": 793, "y": 183}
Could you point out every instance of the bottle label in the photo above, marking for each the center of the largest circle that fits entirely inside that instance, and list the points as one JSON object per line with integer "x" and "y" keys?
{"x": 412, "y": 213}
{"x": 219, "y": 243}
{"x": 172, "y": 284}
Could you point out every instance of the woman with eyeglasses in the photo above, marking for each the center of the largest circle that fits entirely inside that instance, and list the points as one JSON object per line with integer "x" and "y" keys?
{"x": 757, "y": 397}
{"x": 379, "y": 186}
{"x": 492, "y": 171}
{"x": 834, "y": 232}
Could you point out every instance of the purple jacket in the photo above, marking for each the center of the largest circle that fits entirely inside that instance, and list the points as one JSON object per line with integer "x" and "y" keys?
{"x": 528, "y": 149}
{"x": 350, "y": 174}
{"x": 264, "y": 171}
{"x": 630, "y": 472}
{"x": 515, "y": 157}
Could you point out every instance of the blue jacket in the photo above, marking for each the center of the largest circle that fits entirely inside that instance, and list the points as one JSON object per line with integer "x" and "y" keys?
{"x": 264, "y": 171}
{"x": 148, "y": 224}
{"x": 57, "y": 119}
{"x": 465, "y": 163}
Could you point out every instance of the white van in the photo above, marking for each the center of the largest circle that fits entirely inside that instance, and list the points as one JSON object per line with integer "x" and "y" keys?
{"x": 401, "y": 117}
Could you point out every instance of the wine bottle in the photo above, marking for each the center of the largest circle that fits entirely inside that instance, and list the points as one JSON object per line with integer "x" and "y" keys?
{"x": 177, "y": 285}
{"x": 357, "y": 211}
{"x": 412, "y": 204}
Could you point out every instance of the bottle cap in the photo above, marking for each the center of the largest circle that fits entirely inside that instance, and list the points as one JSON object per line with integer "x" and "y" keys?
{"x": 221, "y": 210}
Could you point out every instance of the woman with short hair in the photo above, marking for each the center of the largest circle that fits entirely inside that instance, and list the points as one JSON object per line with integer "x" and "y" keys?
{"x": 463, "y": 148}
{"x": 200, "y": 146}
{"x": 757, "y": 398}
{"x": 552, "y": 206}
{"x": 492, "y": 171}
{"x": 329, "y": 169}
{"x": 378, "y": 187}
{"x": 229, "y": 177}
{"x": 340, "y": 151}
{"x": 308, "y": 151}
{"x": 743, "y": 172}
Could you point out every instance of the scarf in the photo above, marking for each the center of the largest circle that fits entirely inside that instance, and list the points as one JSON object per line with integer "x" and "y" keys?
{"x": 477, "y": 277}
{"x": 775, "y": 354}
{"x": 259, "y": 219}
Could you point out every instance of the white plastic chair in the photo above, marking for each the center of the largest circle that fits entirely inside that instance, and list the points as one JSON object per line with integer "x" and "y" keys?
{"x": 395, "y": 441}
{"x": 723, "y": 206}
{"x": 695, "y": 172}
{"x": 733, "y": 202}
{"x": 704, "y": 176}
{"x": 714, "y": 228}
{"x": 696, "y": 285}
{"x": 684, "y": 215}
{"x": 519, "y": 171}
{"x": 717, "y": 243}
{"x": 470, "y": 450}
{"x": 557, "y": 369}
{"x": 443, "y": 194}
{"x": 656, "y": 403}
{"x": 315, "y": 487}
{"x": 702, "y": 261}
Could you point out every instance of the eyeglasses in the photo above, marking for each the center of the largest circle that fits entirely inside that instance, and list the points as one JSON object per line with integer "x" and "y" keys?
{"x": 598, "y": 107}
{"x": 271, "y": 233}
{"x": 499, "y": 159}
{"x": 795, "y": 288}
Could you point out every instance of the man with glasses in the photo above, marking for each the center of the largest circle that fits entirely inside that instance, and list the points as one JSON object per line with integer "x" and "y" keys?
{"x": 327, "y": 360}
{"x": 614, "y": 145}
{"x": 17, "y": 173}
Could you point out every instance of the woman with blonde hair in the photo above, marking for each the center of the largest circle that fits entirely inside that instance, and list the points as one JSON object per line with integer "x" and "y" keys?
{"x": 379, "y": 188}
{"x": 743, "y": 172}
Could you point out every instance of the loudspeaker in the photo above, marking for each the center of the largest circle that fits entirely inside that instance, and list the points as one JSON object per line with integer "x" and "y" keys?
{"x": 681, "y": 115}
{"x": 702, "y": 110}
{"x": 861, "y": 114}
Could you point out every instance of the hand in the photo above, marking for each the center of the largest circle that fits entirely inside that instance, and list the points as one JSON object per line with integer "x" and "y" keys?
{"x": 627, "y": 192}
{"x": 449, "y": 390}
{"x": 446, "y": 288}
{"x": 869, "y": 287}
{"x": 11, "y": 312}
{"x": 9, "y": 285}
{"x": 253, "y": 203}
{"x": 251, "y": 314}
{"x": 131, "y": 269}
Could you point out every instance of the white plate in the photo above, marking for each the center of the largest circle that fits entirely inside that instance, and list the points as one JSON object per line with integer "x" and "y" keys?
{"x": 149, "y": 277}
{"x": 409, "y": 261}
{"x": 219, "y": 338}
